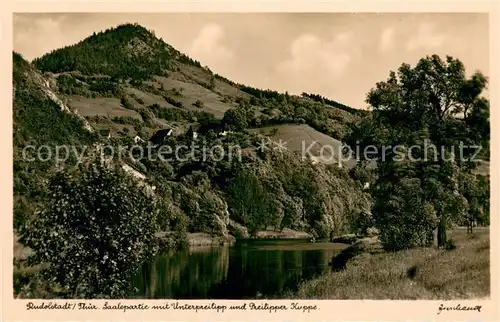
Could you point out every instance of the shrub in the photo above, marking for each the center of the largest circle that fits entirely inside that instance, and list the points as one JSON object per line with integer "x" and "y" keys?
{"x": 126, "y": 103}
{"x": 405, "y": 219}
{"x": 97, "y": 228}
{"x": 173, "y": 101}
{"x": 198, "y": 104}
{"x": 450, "y": 244}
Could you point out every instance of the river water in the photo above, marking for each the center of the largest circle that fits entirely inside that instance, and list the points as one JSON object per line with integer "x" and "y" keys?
{"x": 249, "y": 269}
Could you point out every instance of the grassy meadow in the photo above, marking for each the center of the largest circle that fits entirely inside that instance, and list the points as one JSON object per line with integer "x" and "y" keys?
{"x": 461, "y": 273}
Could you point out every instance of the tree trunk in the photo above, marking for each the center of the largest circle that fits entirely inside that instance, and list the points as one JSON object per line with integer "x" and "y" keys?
{"x": 441, "y": 233}
{"x": 470, "y": 226}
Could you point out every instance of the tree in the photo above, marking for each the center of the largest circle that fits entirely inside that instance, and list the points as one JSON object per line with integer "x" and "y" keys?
{"x": 236, "y": 119}
{"x": 211, "y": 82}
{"x": 475, "y": 188}
{"x": 418, "y": 104}
{"x": 249, "y": 201}
{"x": 97, "y": 228}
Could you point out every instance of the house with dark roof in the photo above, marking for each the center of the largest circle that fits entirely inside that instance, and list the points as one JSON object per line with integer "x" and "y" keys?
{"x": 160, "y": 136}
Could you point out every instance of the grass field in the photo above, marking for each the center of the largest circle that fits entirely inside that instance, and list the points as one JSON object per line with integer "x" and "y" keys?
{"x": 192, "y": 92}
{"x": 302, "y": 137}
{"x": 462, "y": 273}
{"x": 103, "y": 106}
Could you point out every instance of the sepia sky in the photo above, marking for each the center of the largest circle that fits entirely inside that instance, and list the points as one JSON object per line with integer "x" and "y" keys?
{"x": 338, "y": 55}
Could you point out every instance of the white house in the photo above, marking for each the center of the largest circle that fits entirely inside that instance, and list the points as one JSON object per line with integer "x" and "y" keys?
{"x": 138, "y": 139}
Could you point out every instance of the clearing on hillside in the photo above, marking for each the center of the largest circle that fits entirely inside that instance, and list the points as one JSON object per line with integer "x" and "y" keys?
{"x": 304, "y": 139}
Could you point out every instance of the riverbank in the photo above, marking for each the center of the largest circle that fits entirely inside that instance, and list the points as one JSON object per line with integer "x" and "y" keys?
{"x": 204, "y": 239}
{"x": 420, "y": 273}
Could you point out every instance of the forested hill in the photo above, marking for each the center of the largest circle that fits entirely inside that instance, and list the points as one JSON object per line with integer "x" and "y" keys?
{"x": 128, "y": 72}
{"x": 127, "y": 51}
{"x": 124, "y": 82}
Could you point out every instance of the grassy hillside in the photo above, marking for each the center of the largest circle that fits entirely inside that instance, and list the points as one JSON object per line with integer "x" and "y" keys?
{"x": 463, "y": 273}
{"x": 302, "y": 138}
{"x": 127, "y": 71}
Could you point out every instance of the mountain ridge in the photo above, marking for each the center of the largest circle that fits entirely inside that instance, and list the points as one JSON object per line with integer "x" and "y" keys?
{"x": 158, "y": 58}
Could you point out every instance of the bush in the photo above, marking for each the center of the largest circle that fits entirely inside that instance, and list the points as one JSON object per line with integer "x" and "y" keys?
{"x": 126, "y": 120}
{"x": 97, "y": 228}
{"x": 126, "y": 103}
{"x": 361, "y": 222}
{"x": 405, "y": 220}
{"x": 173, "y": 101}
{"x": 198, "y": 104}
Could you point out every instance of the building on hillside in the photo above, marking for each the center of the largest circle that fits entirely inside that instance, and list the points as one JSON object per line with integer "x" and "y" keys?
{"x": 138, "y": 139}
{"x": 193, "y": 131}
{"x": 160, "y": 136}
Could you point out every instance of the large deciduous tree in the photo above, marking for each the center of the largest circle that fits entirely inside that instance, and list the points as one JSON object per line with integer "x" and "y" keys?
{"x": 428, "y": 112}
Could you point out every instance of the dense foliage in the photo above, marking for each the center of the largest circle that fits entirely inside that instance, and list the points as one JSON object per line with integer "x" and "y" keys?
{"x": 39, "y": 126}
{"x": 97, "y": 229}
{"x": 128, "y": 51}
{"x": 431, "y": 104}
{"x": 283, "y": 191}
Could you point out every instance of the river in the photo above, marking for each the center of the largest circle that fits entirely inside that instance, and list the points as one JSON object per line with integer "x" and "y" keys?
{"x": 249, "y": 269}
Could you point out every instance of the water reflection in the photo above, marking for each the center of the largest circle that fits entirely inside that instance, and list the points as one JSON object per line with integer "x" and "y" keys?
{"x": 246, "y": 270}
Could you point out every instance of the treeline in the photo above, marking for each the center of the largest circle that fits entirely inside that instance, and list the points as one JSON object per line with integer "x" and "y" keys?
{"x": 322, "y": 99}
{"x": 262, "y": 94}
{"x": 88, "y": 86}
{"x": 406, "y": 202}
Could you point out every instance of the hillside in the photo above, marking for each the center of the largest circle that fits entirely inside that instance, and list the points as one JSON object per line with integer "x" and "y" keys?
{"x": 129, "y": 82}
{"x": 308, "y": 141}
{"x": 40, "y": 119}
